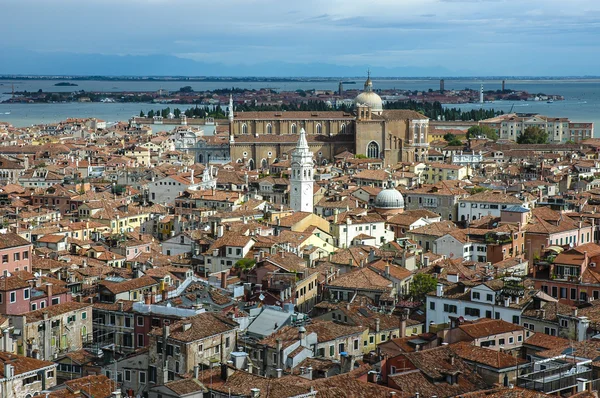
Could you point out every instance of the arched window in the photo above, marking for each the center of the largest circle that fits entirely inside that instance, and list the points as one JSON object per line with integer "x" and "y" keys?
{"x": 251, "y": 164}
{"x": 319, "y": 129}
{"x": 373, "y": 150}
{"x": 83, "y": 331}
{"x": 343, "y": 129}
{"x": 264, "y": 164}
{"x": 239, "y": 161}
{"x": 269, "y": 129}
{"x": 293, "y": 128}
{"x": 244, "y": 128}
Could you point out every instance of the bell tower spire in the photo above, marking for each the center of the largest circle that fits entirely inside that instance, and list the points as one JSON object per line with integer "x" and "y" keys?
{"x": 302, "y": 178}
{"x": 230, "y": 117}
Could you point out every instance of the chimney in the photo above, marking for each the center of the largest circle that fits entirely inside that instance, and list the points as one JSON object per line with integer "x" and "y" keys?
{"x": 224, "y": 280}
{"x": 120, "y": 306}
{"x": 301, "y": 333}
{"x": 279, "y": 348}
{"x": 115, "y": 394}
{"x": 254, "y": 392}
{"x": 403, "y": 319}
{"x": 377, "y": 322}
{"x": 387, "y": 270}
{"x": 187, "y": 326}
{"x": 49, "y": 293}
{"x": 196, "y": 372}
{"x": 439, "y": 291}
{"x": 279, "y": 373}
{"x": 8, "y": 371}
{"x": 147, "y": 299}
{"x": 574, "y": 311}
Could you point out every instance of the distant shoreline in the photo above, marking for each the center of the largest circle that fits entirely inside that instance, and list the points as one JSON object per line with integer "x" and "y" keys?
{"x": 287, "y": 79}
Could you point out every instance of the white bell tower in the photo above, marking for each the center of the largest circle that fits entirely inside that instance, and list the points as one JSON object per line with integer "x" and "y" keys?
{"x": 301, "y": 181}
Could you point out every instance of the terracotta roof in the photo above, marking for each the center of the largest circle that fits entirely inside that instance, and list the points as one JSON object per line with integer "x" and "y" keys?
{"x": 493, "y": 197}
{"x": 546, "y": 341}
{"x": 485, "y": 356}
{"x": 54, "y": 310}
{"x": 362, "y": 278}
{"x": 200, "y": 327}
{"x": 185, "y": 386}
{"x": 429, "y": 378}
{"x": 10, "y": 239}
{"x": 138, "y": 283}
{"x": 22, "y": 364}
{"x": 97, "y": 386}
{"x": 489, "y": 327}
{"x": 436, "y": 229}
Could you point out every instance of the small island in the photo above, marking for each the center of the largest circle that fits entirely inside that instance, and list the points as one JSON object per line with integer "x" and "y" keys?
{"x": 65, "y": 84}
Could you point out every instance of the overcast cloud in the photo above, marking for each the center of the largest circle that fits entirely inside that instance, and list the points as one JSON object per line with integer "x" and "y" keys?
{"x": 483, "y": 37}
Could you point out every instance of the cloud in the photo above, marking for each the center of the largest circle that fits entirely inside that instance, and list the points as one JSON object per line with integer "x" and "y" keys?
{"x": 494, "y": 35}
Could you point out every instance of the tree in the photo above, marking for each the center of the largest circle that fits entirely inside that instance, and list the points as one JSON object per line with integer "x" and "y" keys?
{"x": 455, "y": 142}
{"x": 421, "y": 285}
{"x": 449, "y": 137}
{"x": 360, "y": 156}
{"x": 141, "y": 113}
{"x": 245, "y": 264}
{"x": 482, "y": 131}
{"x": 186, "y": 89}
{"x": 452, "y": 140}
{"x": 151, "y": 114}
{"x": 533, "y": 135}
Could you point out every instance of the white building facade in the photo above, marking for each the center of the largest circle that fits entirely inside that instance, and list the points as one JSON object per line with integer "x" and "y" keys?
{"x": 478, "y": 302}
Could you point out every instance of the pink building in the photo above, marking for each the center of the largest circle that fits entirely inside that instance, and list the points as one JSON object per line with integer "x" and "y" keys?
{"x": 20, "y": 293}
{"x": 15, "y": 253}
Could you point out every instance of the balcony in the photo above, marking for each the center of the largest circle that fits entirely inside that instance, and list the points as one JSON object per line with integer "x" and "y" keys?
{"x": 554, "y": 374}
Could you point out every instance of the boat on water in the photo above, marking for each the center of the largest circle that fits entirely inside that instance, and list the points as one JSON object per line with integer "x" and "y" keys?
{"x": 550, "y": 101}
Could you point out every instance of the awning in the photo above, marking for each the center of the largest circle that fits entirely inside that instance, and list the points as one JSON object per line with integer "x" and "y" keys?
{"x": 556, "y": 249}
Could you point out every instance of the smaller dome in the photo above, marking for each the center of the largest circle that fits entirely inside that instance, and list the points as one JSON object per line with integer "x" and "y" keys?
{"x": 389, "y": 199}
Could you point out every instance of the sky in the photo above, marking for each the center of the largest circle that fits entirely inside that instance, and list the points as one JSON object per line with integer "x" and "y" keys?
{"x": 453, "y": 37}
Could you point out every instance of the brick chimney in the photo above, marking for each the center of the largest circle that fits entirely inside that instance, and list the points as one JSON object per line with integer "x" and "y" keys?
{"x": 49, "y": 293}
{"x": 224, "y": 280}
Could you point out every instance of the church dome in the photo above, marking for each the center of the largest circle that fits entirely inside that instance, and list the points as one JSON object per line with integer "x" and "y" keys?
{"x": 369, "y": 98}
{"x": 389, "y": 199}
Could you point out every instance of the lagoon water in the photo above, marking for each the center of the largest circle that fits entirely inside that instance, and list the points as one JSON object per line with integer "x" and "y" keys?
{"x": 582, "y": 96}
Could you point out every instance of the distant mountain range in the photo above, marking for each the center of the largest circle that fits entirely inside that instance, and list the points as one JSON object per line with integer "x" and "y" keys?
{"x": 23, "y": 62}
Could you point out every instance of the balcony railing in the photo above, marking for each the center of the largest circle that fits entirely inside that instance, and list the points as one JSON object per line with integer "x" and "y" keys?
{"x": 556, "y": 379}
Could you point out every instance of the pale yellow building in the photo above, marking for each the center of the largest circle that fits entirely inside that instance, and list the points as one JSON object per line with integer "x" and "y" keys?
{"x": 436, "y": 172}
